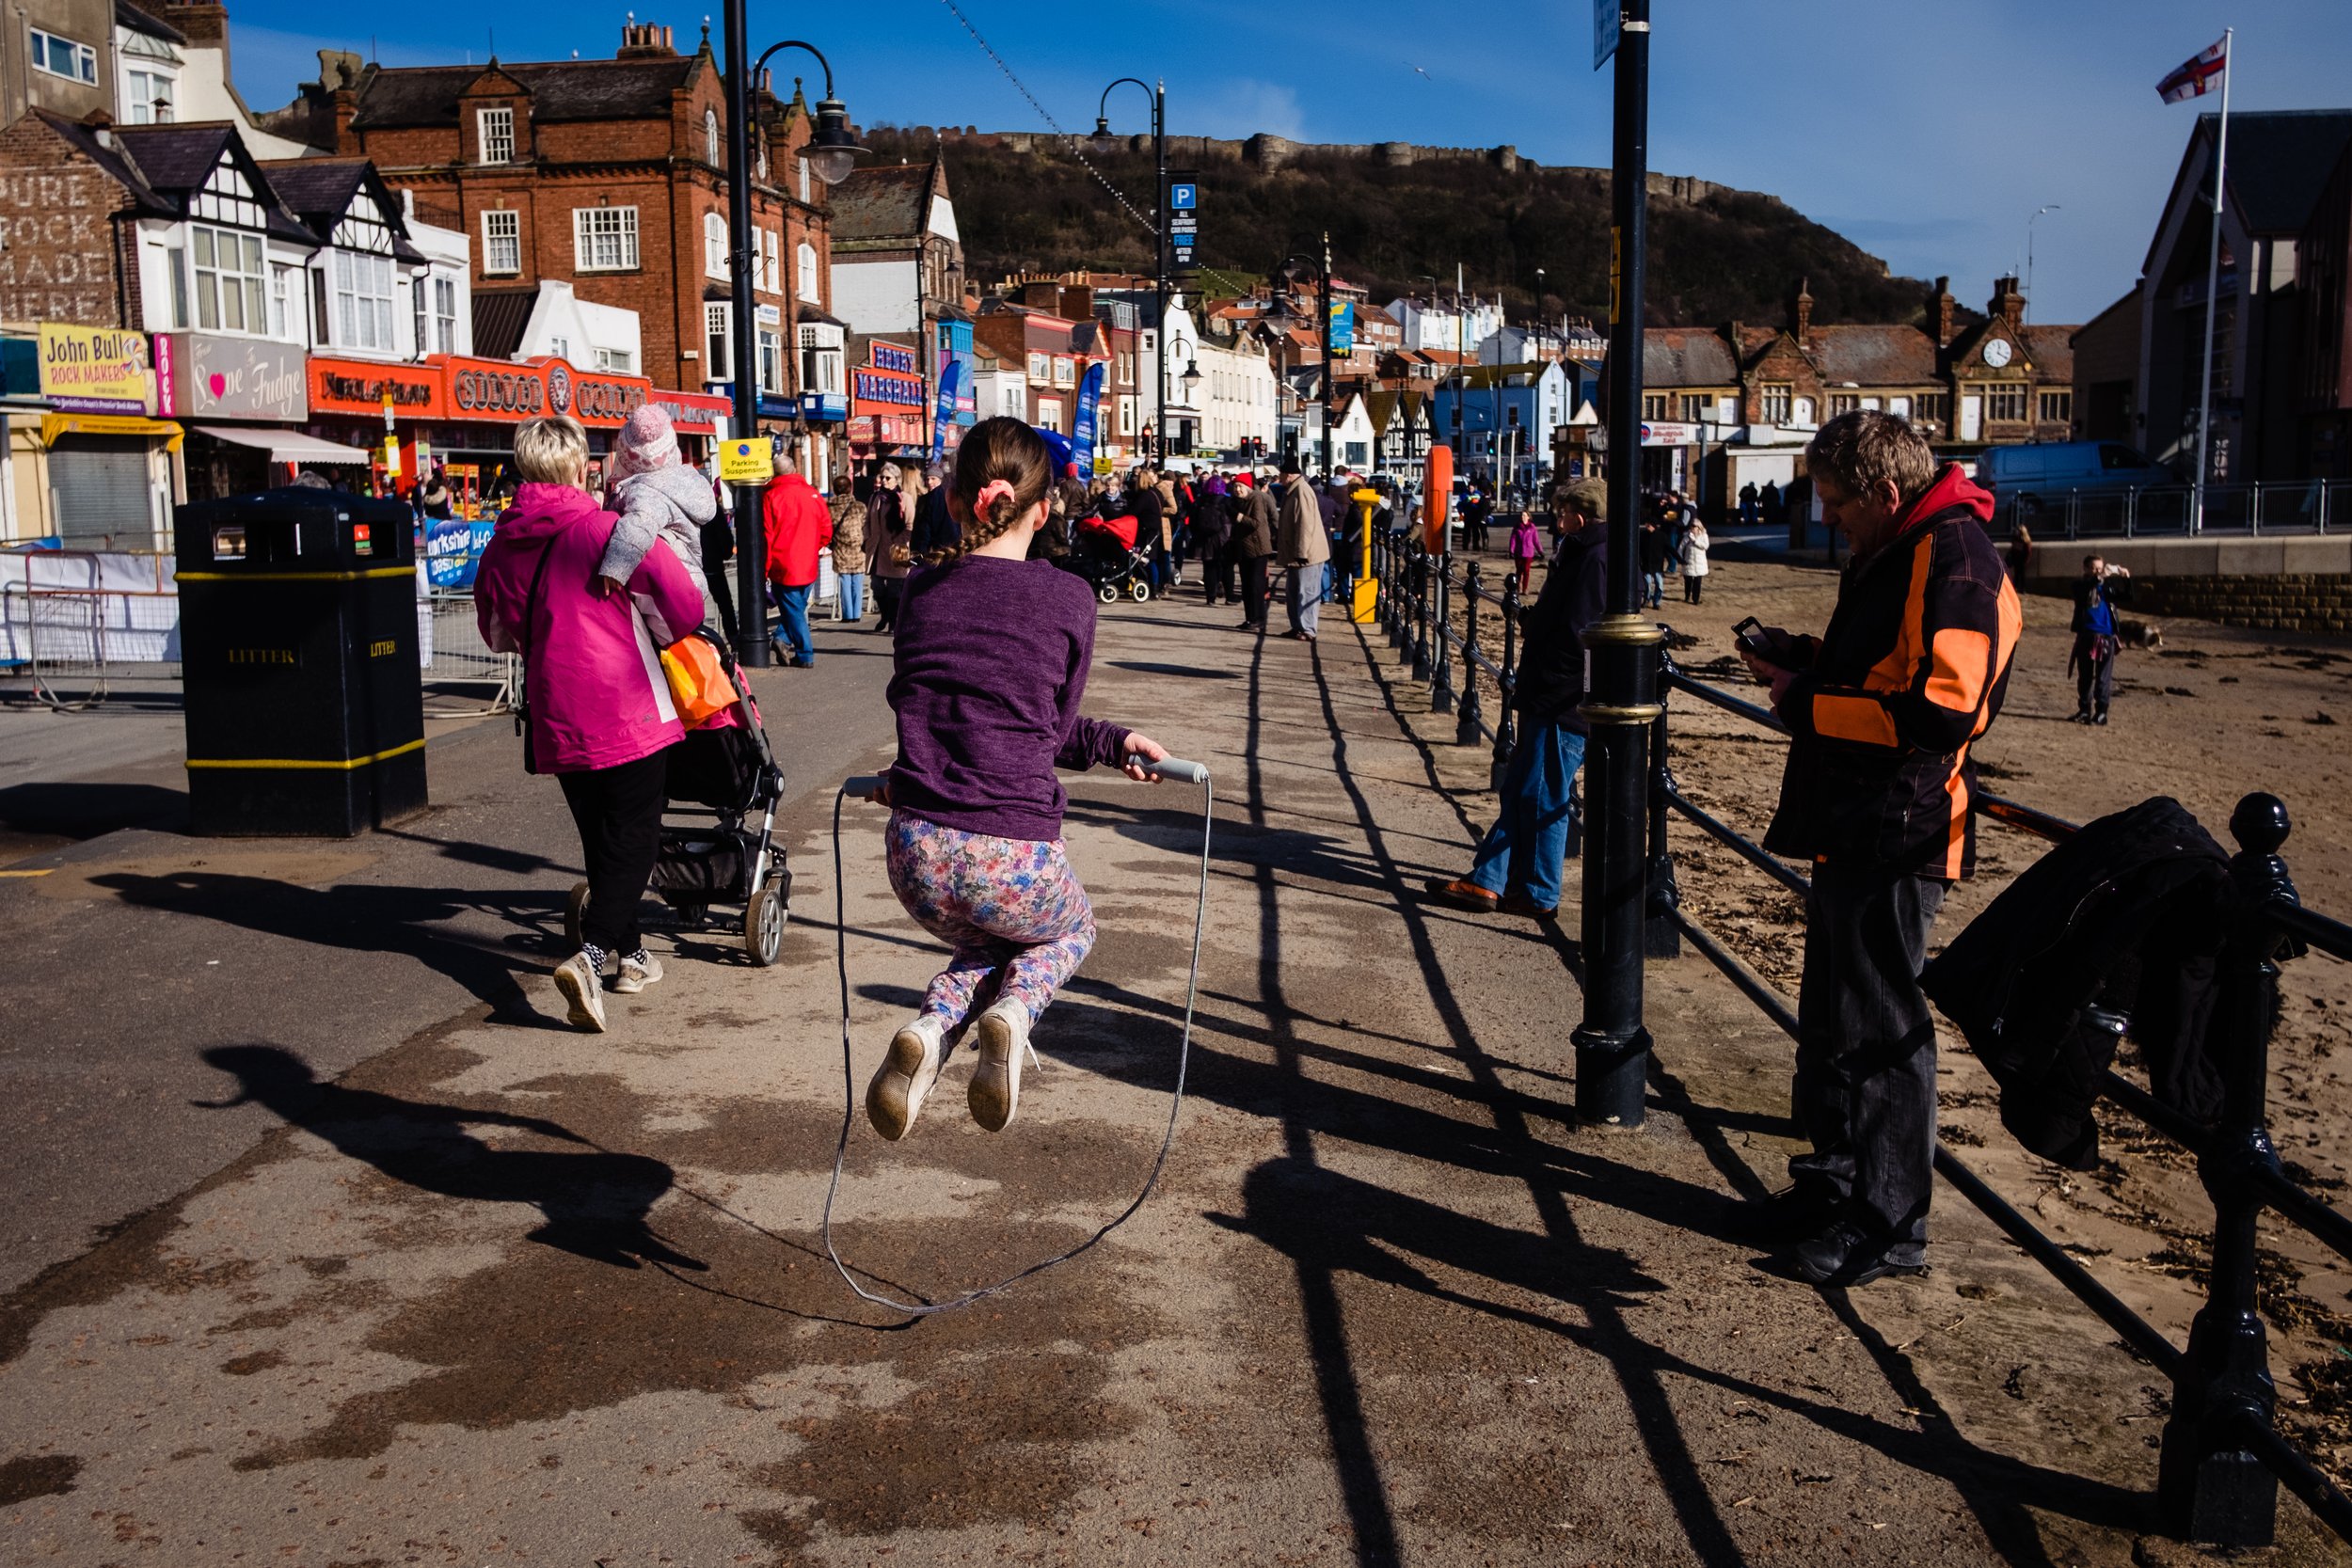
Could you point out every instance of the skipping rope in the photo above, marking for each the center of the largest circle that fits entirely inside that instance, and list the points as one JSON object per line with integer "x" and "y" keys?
{"x": 1168, "y": 768}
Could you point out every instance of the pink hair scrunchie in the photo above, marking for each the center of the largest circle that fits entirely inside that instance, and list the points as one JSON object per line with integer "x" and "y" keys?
{"x": 989, "y": 492}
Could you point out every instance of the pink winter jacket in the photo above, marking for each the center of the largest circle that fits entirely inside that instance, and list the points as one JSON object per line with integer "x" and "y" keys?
{"x": 598, "y": 695}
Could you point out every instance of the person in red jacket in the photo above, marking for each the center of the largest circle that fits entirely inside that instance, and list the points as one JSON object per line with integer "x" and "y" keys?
{"x": 797, "y": 527}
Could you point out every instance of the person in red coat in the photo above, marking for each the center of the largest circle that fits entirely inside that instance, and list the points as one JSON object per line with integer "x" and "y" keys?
{"x": 797, "y": 527}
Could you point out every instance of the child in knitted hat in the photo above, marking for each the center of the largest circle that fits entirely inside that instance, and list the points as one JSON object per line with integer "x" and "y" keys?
{"x": 657, "y": 496}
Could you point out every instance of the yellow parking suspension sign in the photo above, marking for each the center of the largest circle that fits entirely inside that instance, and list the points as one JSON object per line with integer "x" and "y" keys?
{"x": 749, "y": 462}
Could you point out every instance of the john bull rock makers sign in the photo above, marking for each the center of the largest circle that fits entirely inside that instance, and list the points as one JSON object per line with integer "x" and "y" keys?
{"x": 95, "y": 370}
{"x": 484, "y": 391}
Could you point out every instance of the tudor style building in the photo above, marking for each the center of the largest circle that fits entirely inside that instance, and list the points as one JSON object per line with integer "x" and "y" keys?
{"x": 1725, "y": 406}
{"x": 609, "y": 176}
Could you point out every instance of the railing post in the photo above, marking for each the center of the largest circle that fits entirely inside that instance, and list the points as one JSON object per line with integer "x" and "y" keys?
{"x": 1470, "y": 719}
{"x": 1441, "y": 658}
{"x": 1660, "y": 937}
{"x": 2254, "y": 509}
{"x": 2209, "y": 1486}
{"x": 2131, "y": 510}
{"x": 1507, "y": 686}
{"x": 1421, "y": 616}
{"x": 1393, "y": 599}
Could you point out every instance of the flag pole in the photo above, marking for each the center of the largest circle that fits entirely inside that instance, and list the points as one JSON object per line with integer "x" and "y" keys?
{"x": 2213, "y": 283}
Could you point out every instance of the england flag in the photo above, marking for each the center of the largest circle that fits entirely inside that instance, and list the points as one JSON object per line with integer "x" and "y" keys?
{"x": 2196, "y": 78}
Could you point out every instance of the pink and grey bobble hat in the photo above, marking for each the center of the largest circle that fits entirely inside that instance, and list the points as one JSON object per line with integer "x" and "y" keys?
{"x": 647, "y": 442}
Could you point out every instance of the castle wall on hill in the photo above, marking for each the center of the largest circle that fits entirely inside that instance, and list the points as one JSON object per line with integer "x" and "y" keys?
{"x": 1270, "y": 153}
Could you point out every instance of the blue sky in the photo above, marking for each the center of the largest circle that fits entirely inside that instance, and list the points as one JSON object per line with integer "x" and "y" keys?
{"x": 1927, "y": 132}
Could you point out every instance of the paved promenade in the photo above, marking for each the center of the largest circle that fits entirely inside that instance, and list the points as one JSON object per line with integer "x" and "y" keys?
{"x": 405, "y": 1272}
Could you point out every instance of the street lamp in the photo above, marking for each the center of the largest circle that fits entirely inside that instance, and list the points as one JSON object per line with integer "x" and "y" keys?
{"x": 833, "y": 153}
{"x": 2051, "y": 207}
{"x": 1286, "y": 274}
{"x": 1103, "y": 141}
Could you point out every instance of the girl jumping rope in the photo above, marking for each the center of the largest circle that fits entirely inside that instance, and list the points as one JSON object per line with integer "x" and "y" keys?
{"x": 992, "y": 660}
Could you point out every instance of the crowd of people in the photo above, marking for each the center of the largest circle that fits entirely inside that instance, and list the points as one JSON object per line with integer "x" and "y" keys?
{"x": 1882, "y": 708}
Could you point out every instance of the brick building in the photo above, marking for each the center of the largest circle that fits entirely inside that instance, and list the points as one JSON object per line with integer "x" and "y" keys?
{"x": 609, "y": 175}
{"x": 1730, "y": 405}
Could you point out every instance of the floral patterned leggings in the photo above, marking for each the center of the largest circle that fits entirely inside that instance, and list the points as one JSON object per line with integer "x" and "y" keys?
{"x": 1011, "y": 909}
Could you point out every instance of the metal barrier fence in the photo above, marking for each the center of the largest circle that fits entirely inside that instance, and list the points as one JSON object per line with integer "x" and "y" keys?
{"x": 2169, "y": 512}
{"x": 2221, "y": 1456}
{"x": 58, "y": 638}
{"x": 2222, "y": 1448}
{"x": 449, "y": 638}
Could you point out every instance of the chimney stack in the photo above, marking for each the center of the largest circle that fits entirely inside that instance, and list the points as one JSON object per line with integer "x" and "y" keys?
{"x": 642, "y": 40}
{"x": 2007, "y": 301}
{"x": 1940, "y": 312}
{"x": 1801, "y": 314}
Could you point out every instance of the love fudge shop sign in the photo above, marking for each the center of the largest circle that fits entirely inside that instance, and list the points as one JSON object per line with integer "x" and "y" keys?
{"x": 205, "y": 377}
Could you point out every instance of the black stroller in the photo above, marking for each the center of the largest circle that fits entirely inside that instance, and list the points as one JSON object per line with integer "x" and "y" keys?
{"x": 1102, "y": 550}
{"x": 718, "y": 833}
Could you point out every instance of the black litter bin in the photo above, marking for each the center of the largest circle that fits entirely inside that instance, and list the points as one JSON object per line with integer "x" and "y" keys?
{"x": 299, "y": 642}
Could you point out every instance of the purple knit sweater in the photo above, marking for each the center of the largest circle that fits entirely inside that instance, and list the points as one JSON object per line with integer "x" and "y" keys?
{"x": 991, "y": 662}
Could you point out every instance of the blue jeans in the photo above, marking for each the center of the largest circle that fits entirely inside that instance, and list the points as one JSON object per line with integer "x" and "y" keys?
{"x": 853, "y": 595}
{"x": 1527, "y": 849}
{"x": 1653, "y": 587}
{"x": 792, "y": 605}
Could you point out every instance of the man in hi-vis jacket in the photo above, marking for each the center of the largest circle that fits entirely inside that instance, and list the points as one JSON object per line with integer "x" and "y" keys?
{"x": 1883, "y": 708}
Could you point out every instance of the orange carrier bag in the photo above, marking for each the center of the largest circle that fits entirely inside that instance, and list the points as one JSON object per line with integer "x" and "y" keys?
{"x": 698, "y": 682}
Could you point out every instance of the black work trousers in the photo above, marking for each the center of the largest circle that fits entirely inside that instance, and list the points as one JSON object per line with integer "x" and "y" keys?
{"x": 1216, "y": 576}
{"x": 1253, "y": 589}
{"x": 618, "y": 811}
{"x": 2094, "y": 672}
{"x": 1864, "y": 1091}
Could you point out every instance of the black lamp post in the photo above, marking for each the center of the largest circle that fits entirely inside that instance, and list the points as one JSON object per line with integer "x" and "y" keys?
{"x": 1102, "y": 140}
{"x": 1287, "y": 275}
{"x": 1621, "y": 653}
{"x": 832, "y": 153}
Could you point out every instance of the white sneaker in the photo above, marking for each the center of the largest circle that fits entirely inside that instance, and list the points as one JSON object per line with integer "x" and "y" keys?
{"x": 903, "y": 1082}
{"x": 583, "y": 988}
{"x": 1004, "y": 1041}
{"x": 637, "y": 973}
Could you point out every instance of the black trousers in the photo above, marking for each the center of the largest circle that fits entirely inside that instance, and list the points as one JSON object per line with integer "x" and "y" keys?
{"x": 1217, "y": 578}
{"x": 2094, "y": 673}
{"x": 886, "y": 592}
{"x": 1253, "y": 589}
{"x": 1692, "y": 587}
{"x": 1865, "y": 1092}
{"x": 618, "y": 811}
{"x": 722, "y": 594}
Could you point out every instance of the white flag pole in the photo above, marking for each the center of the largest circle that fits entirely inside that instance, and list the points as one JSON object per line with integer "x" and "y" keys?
{"x": 2213, "y": 283}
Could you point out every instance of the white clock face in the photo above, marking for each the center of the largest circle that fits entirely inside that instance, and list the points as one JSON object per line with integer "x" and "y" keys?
{"x": 1996, "y": 353}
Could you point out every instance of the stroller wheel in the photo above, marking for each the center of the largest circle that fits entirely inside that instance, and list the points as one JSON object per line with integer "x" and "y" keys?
{"x": 763, "y": 926}
{"x": 1108, "y": 592}
{"x": 1142, "y": 590}
{"x": 575, "y": 910}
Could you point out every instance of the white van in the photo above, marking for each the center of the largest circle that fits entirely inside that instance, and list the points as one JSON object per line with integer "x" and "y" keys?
{"x": 2040, "y": 475}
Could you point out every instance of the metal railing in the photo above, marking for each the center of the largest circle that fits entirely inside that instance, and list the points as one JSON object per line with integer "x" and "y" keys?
{"x": 1418, "y": 592}
{"x": 57, "y": 638}
{"x": 2221, "y": 1453}
{"x": 2314, "y": 506}
{"x": 449, "y": 640}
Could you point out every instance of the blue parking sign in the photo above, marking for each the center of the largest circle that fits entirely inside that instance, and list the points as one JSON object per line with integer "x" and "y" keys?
{"x": 1183, "y": 199}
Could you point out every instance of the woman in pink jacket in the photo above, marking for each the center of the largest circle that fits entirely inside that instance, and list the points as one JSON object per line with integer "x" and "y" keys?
{"x": 601, "y": 718}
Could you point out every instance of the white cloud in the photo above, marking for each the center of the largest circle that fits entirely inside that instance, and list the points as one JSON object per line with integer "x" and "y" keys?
{"x": 1240, "y": 106}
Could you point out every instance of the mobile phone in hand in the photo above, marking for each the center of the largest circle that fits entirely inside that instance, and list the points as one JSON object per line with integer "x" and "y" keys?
{"x": 1753, "y": 637}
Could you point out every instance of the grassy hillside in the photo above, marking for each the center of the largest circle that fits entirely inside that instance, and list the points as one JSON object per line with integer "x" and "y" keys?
{"x": 1733, "y": 255}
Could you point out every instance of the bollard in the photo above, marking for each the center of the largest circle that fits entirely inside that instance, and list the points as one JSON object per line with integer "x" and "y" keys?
{"x": 1507, "y": 686}
{"x": 1660, "y": 937}
{"x": 2209, "y": 1487}
{"x": 1441, "y": 658}
{"x": 1470, "y": 719}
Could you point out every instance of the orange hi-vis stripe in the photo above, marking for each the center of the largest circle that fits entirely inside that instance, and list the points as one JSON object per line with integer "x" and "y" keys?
{"x": 1862, "y": 719}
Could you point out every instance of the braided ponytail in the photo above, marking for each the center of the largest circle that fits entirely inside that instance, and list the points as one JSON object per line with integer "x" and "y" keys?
{"x": 1003, "y": 469}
